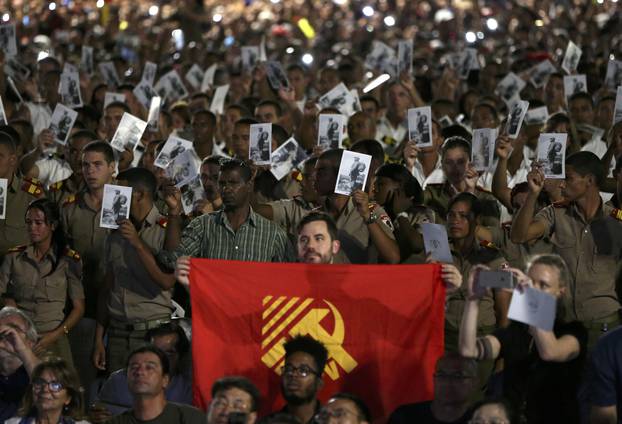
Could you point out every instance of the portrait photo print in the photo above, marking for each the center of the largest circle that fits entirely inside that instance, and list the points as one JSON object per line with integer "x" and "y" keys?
{"x": 552, "y": 154}
{"x": 115, "y": 205}
{"x": 353, "y": 171}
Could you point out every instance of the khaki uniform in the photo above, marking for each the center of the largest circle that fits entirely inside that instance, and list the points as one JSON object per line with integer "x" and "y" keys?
{"x": 21, "y": 191}
{"x": 592, "y": 251}
{"x": 136, "y": 303}
{"x": 40, "y": 288}
{"x": 352, "y": 230}
{"x": 62, "y": 190}
{"x": 417, "y": 214}
{"x": 437, "y": 197}
{"x": 518, "y": 254}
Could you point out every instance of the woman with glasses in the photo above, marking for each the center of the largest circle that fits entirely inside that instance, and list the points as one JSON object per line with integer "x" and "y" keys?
{"x": 54, "y": 396}
{"x": 39, "y": 277}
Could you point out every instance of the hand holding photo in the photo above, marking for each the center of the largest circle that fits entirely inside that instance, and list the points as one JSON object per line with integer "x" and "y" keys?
{"x": 191, "y": 193}
{"x": 108, "y": 72}
{"x": 250, "y": 57}
{"x": 436, "y": 242}
{"x": 405, "y": 57}
{"x": 510, "y": 87}
{"x": 8, "y": 43}
{"x": 276, "y": 76}
{"x": 173, "y": 147}
{"x": 184, "y": 168}
{"x": 194, "y": 76}
{"x": 62, "y": 122}
{"x": 539, "y": 74}
{"x": 551, "y": 154}
{"x": 420, "y": 126}
{"x": 218, "y": 101}
{"x": 128, "y": 133}
{"x": 260, "y": 144}
{"x": 483, "y": 149}
{"x": 286, "y": 157}
{"x": 571, "y": 58}
{"x": 70, "y": 89}
{"x": 574, "y": 84}
{"x": 353, "y": 171}
{"x": 86, "y": 60}
{"x": 614, "y": 74}
{"x": 115, "y": 205}
{"x": 330, "y": 131}
{"x": 340, "y": 98}
{"x": 144, "y": 92}
{"x": 515, "y": 118}
{"x": 533, "y": 307}
{"x": 149, "y": 73}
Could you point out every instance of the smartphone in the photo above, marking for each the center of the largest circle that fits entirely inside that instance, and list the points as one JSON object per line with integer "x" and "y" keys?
{"x": 496, "y": 279}
{"x": 237, "y": 418}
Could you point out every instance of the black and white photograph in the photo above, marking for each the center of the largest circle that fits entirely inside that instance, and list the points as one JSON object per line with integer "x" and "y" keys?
{"x": 173, "y": 147}
{"x": 617, "y": 114}
{"x": 466, "y": 62}
{"x": 420, "y": 126}
{"x": 340, "y": 98}
{"x": 571, "y": 58}
{"x": 111, "y": 97}
{"x": 574, "y": 84}
{"x": 128, "y": 133}
{"x": 191, "y": 193}
{"x": 70, "y": 89}
{"x": 330, "y": 131}
{"x": 353, "y": 171}
{"x": 153, "y": 117}
{"x": 15, "y": 69}
{"x": 8, "y": 43}
{"x": 109, "y": 73}
{"x": 539, "y": 74}
{"x": 405, "y": 57}
{"x": 4, "y": 183}
{"x": 3, "y": 120}
{"x": 613, "y": 78}
{"x": 515, "y": 118}
{"x": 149, "y": 73}
{"x": 381, "y": 58}
{"x": 62, "y": 122}
{"x": 86, "y": 60}
{"x": 260, "y": 144}
{"x": 171, "y": 87}
{"x": 436, "y": 242}
{"x": 537, "y": 116}
{"x": 510, "y": 87}
{"x": 551, "y": 154}
{"x": 115, "y": 205}
{"x": 217, "y": 106}
{"x": 483, "y": 149}
{"x": 208, "y": 77}
{"x": 286, "y": 157}
{"x": 144, "y": 92}
{"x": 250, "y": 57}
{"x": 184, "y": 168}
{"x": 194, "y": 76}
{"x": 276, "y": 75}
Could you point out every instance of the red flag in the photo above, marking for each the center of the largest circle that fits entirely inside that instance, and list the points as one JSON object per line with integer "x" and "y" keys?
{"x": 382, "y": 325}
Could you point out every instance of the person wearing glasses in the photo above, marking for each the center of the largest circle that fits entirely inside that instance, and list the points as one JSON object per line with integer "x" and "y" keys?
{"x": 234, "y": 399}
{"x": 301, "y": 376}
{"x": 344, "y": 408}
{"x": 54, "y": 396}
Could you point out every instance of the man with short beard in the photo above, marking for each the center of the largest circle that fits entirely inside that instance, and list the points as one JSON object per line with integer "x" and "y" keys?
{"x": 301, "y": 376}
{"x": 317, "y": 239}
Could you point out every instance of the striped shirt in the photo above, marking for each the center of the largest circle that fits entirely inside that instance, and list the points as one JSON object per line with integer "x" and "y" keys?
{"x": 211, "y": 236}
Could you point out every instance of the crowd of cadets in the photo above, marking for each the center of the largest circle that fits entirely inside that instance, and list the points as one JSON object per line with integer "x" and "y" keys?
{"x": 91, "y": 295}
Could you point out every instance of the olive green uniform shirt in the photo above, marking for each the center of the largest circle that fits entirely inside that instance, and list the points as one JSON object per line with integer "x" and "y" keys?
{"x": 518, "y": 254}
{"x": 437, "y": 197}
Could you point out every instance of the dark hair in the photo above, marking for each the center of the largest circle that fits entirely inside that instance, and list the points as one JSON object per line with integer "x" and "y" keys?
{"x": 585, "y": 163}
{"x": 7, "y": 140}
{"x": 237, "y": 165}
{"x": 183, "y": 111}
{"x": 214, "y": 160}
{"x": 581, "y": 95}
{"x": 456, "y": 142}
{"x": 246, "y": 121}
{"x": 50, "y": 211}
{"x": 182, "y": 346}
{"x": 404, "y": 178}
{"x": 556, "y": 119}
{"x": 279, "y": 134}
{"x": 149, "y": 348}
{"x": 276, "y": 105}
{"x": 210, "y": 116}
{"x": 319, "y": 216}
{"x": 140, "y": 179}
{"x": 370, "y": 147}
{"x": 333, "y": 156}
{"x": 90, "y": 135}
{"x": 119, "y": 105}
{"x": 279, "y": 418}
{"x": 244, "y": 113}
{"x": 13, "y": 133}
{"x": 65, "y": 375}
{"x": 310, "y": 346}
{"x": 501, "y": 402}
{"x": 469, "y": 198}
{"x": 489, "y": 106}
{"x": 238, "y": 382}
{"x": 605, "y": 98}
{"x": 362, "y": 407}
{"x": 370, "y": 98}
{"x": 455, "y": 130}
{"x": 100, "y": 147}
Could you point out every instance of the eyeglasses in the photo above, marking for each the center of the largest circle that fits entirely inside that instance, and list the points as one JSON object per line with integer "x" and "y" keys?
{"x": 302, "y": 370}
{"x": 237, "y": 405}
{"x": 54, "y": 386}
{"x": 326, "y": 414}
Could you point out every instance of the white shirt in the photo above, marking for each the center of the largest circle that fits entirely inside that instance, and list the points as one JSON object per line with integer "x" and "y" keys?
{"x": 40, "y": 116}
{"x": 52, "y": 170}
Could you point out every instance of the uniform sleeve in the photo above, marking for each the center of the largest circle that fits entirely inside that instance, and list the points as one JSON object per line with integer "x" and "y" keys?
{"x": 384, "y": 221}
{"x": 547, "y": 217}
{"x": 192, "y": 238}
{"x": 496, "y": 233}
{"x": 283, "y": 249}
{"x": 280, "y": 212}
{"x": 75, "y": 290}
{"x": 604, "y": 373}
{"x": 5, "y": 273}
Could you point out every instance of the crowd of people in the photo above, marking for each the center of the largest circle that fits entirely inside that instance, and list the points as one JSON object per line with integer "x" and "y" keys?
{"x": 95, "y": 322}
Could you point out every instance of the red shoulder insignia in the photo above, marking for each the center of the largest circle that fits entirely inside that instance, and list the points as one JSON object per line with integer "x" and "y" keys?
{"x": 488, "y": 244}
{"x": 32, "y": 187}
{"x": 72, "y": 254}
{"x": 389, "y": 140}
{"x": 57, "y": 186}
{"x": 19, "y": 248}
{"x": 69, "y": 200}
{"x": 561, "y": 204}
{"x": 163, "y": 222}
{"x": 617, "y": 214}
{"x": 297, "y": 175}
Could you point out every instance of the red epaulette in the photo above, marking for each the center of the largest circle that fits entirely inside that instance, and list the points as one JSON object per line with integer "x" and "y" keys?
{"x": 163, "y": 222}
{"x": 488, "y": 244}
{"x": 32, "y": 186}
{"x": 72, "y": 254}
{"x": 70, "y": 200}
{"x": 561, "y": 204}
{"x": 57, "y": 186}
{"x": 617, "y": 214}
{"x": 19, "y": 248}
{"x": 297, "y": 175}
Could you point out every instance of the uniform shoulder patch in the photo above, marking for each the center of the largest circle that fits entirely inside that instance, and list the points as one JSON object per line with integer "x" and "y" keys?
{"x": 617, "y": 214}
{"x": 488, "y": 244}
{"x": 70, "y": 200}
{"x": 561, "y": 204}
{"x": 72, "y": 254}
{"x": 57, "y": 186}
{"x": 19, "y": 248}
{"x": 296, "y": 175}
{"x": 163, "y": 222}
{"x": 32, "y": 186}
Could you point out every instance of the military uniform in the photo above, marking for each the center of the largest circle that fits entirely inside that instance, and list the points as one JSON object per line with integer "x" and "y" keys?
{"x": 592, "y": 251}
{"x": 518, "y": 254}
{"x": 40, "y": 288}
{"x": 62, "y": 190}
{"x": 20, "y": 192}
{"x": 437, "y": 197}
{"x": 136, "y": 303}
{"x": 417, "y": 214}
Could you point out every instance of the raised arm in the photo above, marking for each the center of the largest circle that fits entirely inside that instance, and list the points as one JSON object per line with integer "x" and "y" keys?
{"x": 524, "y": 228}
{"x": 553, "y": 349}
{"x": 500, "y": 187}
